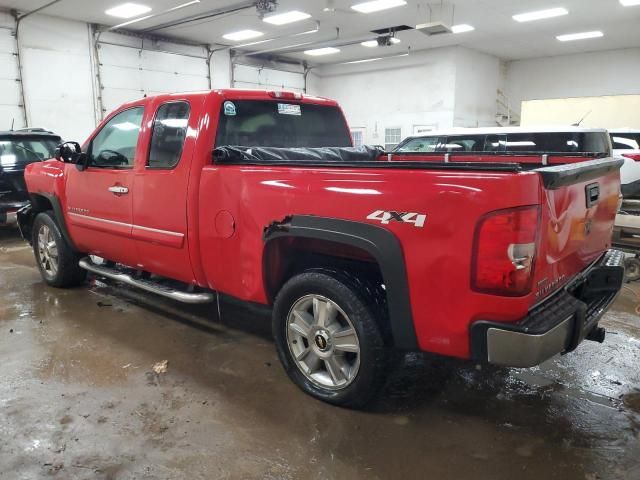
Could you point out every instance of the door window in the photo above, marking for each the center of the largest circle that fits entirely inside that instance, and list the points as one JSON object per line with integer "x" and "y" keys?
{"x": 169, "y": 133}
{"x": 115, "y": 145}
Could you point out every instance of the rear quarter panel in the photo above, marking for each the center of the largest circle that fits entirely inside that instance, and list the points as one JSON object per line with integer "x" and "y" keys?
{"x": 437, "y": 256}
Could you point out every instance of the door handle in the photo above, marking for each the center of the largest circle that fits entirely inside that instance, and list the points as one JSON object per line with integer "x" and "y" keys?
{"x": 118, "y": 190}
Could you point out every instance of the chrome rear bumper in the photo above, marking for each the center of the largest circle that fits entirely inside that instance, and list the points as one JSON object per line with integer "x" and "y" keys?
{"x": 557, "y": 325}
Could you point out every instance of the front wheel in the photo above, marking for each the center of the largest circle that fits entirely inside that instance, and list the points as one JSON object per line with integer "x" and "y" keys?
{"x": 57, "y": 262}
{"x": 329, "y": 340}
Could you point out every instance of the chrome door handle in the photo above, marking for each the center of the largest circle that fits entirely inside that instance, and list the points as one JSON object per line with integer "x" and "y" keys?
{"x": 118, "y": 190}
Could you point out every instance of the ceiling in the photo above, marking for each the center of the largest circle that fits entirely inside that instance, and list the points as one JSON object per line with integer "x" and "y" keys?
{"x": 495, "y": 31}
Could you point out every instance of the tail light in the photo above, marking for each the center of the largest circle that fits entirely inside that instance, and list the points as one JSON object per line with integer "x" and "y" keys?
{"x": 504, "y": 251}
{"x": 633, "y": 156}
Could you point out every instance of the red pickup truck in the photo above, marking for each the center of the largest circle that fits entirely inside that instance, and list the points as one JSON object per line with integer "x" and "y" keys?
{"x": 260, "y": 196}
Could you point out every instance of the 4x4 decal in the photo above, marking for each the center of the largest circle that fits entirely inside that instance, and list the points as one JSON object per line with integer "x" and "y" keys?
{"x": 384, "y": 217}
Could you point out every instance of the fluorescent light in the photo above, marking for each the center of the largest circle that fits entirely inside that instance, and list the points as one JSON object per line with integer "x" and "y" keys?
{"x": 146, "y": 17}
{"x": 462, "y": 28}
{"x": 374, "y": 43}
{"x": 242, "y": 35}
{"x": 128, "y": 10}
{"x": 580, "y": 36}
{"x": 366, "y": 60}
{"x": 321, "y": 51}
{"x": 630, "y": 3}
{"x": 541, "y": 14}
{"x": 377, "y": 5}
{"x": 286, "y": 17}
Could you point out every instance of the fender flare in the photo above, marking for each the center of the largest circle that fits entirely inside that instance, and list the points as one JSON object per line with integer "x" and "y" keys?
{"x": 58, "y": 215}
{"x": 381, "y": 244}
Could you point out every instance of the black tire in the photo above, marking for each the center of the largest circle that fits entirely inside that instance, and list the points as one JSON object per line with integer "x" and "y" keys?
{"x": 632, "y": 266}
{"x": 362, "y": 314}
{"x": 67, "y": 272}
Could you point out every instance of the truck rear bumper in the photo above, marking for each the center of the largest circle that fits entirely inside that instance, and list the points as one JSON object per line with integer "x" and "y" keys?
{"x": 558, "y": 324}
{"x": 9, "y": 210}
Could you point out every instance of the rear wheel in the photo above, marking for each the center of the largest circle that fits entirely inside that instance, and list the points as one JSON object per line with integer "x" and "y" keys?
{"x": 57, "y": 262}
{"x": 632, "y": 269}
{"x": 329, "y": 340}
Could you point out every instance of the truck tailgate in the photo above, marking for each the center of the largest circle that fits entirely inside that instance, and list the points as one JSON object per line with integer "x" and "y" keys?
{"x": 579, "y": 204}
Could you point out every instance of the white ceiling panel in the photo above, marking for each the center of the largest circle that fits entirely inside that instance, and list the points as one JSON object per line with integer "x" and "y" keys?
{"x": 496, "y": 32}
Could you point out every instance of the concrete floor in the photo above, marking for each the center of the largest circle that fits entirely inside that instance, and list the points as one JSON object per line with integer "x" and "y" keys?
{"x": 79, "y": 399}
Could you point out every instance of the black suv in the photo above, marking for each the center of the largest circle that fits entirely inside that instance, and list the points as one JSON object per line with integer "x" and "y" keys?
{"x": 18, "y": 148}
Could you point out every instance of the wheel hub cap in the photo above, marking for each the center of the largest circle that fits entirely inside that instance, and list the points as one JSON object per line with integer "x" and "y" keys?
{"x": 323, "y": 342}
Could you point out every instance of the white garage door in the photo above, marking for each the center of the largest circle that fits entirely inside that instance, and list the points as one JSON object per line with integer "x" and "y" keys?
{"x": 10, "y": 110}
{"x": 128, "y": 73}
{"x": 249, "y": 76}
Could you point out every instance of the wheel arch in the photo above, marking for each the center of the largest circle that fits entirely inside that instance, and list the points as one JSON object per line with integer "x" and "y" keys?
{"x": 42, "y": 202}
{"x": 366, "y": 242}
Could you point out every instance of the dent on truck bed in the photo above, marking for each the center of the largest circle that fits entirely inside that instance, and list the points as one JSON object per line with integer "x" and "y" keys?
{"x": 380, "y": 243}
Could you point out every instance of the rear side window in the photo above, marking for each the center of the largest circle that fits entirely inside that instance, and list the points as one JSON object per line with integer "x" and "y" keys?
{"x": 260, "y": 123}
{"x": 558, "y": 142}
{"x": 169, "y": 133}
{"x": 462, "y": 143}
{"x": 626, "y": 141}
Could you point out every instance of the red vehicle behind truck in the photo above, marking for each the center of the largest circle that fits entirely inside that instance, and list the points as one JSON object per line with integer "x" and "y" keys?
{"x": 260, "y": 196}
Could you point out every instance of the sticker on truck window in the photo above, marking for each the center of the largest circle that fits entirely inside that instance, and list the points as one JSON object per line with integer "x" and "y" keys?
{"x": 384, "y": 217}
{"x": 289, "y": 109}
{"x": 229, "y": 108}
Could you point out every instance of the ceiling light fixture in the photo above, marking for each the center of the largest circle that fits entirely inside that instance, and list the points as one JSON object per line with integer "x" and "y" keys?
{"x": 146, "y": 17}
{"x": 540, "y": 14}
{"x": 316, "y": 52}
{"x": 462, "y": 28}
{"x": 242, "y": 35}
{"x": 128, "y": 10}
{"x": 376, "y": 43}
{"x": 286, "y": 17}
{"x": 580, "y": 36}
{"x": 629, "y": 3}
{"x": 377, "y": 5}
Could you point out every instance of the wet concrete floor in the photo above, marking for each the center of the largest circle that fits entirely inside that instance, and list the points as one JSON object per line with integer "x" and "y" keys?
{"x": 79, "y": 399}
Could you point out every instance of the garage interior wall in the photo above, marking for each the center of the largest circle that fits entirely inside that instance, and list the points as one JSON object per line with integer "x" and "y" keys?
{"x": 10, "y": 109}
{"x": 440, "y": 88}
{"x": 594, "y": 74}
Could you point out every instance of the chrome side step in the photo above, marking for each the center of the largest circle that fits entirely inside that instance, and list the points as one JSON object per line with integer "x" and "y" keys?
{"x": 147, "y": 285}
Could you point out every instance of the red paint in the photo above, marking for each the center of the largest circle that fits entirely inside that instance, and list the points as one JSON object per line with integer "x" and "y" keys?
{"x": 203, "y": 223}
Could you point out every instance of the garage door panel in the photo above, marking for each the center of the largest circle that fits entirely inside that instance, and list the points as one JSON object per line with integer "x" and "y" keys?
{"x": 171, "y": 82}
{"x": 249, "y": 76}
{"x": 111, "y": 55}
{"x": 127, "y": 74}
{"x": 9, "y": 114}
{"x": 7, "y": 42}
{"x": 121, "y": 77}
{"x": 167, "y": 62}
{"x": 9, "y": 68}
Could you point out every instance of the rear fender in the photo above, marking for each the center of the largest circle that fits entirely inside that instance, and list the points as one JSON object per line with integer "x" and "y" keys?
{"x": 378, "y": 242}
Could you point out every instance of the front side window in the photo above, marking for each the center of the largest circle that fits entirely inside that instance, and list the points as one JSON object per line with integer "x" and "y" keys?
{"x": 558, "y": 142}
{"x": 462, "y": 143}
{"x": 169, "y": 133}
{"x": 115, "y": 145}
{"x": 260, "y": 123}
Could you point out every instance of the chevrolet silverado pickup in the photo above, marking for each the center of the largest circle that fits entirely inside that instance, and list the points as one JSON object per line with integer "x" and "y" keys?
{"x": 260, "y": 196}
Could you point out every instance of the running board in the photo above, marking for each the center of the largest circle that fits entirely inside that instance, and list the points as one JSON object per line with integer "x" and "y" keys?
{"x": 146, "y": 285}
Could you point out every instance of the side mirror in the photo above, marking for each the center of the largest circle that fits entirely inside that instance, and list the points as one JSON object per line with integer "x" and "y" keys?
{"x": 68, "y": 152}
{"x": 71, "y": 152}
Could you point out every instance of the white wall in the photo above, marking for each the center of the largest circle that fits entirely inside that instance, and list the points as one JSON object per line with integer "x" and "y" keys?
{"x": 614, "y": 72}
{"x": 395, "y": 93}
{"x": 10, "y": 101}
{"x": 57, "y": 75}
{"x": 478, "y": 78}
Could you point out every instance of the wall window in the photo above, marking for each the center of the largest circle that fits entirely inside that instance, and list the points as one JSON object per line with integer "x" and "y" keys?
{"x": 169, "y": 133}
{"x": 357, "y": 135}
{"x": 392, "y": 137}
{"x": 115, "y": 145}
